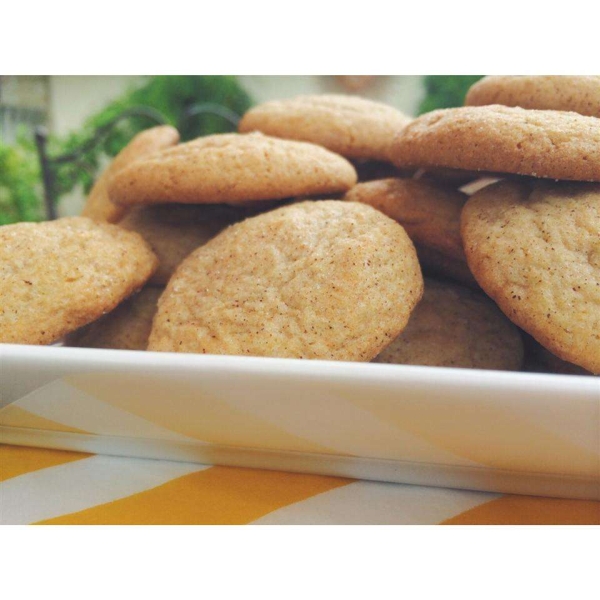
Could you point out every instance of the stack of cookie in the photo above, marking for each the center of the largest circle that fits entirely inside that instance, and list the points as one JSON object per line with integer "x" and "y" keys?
{"x": 532, "y": 239}
{"x": 307, "y": 234}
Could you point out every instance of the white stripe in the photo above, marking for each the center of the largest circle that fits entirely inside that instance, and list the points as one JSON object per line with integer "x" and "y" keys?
{"x": 75, "y": 486}
{"x": 372, "y": 503}
{"x": 63, "y": 403}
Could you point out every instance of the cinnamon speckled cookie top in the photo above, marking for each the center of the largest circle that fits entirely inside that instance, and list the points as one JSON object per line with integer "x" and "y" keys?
{"x": 327, "y": 279}
{"x": 534, "y": 247}
{"x": 233, "y": 169}
{"x": 349, "y": 125}
{"x": 98, "y": 205}
{"x": 430, "y": 214}
{"x": 60, "y": 275}
{"x": 454, "y": 326}
{"x": 577, "y": 93}
{"x": 540, "y": 143}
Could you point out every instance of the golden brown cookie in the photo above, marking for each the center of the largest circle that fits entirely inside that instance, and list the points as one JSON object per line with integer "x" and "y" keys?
{"x": 98, "y": 205}
{"x": 430, "y": 214}
{"x": 577, "y": 93}
{"x": 349, "y": 125}
{"x": 60, "y": 275}
{"x": 534, "y": 247}
{"x": 540, "y": 143}
{"x": 175, "y": 230}
{"x": 232, "y": 168}
{"x": 454, "y": 326}
{"x": 323, "y": 280}
{"x": 127, "y": 327}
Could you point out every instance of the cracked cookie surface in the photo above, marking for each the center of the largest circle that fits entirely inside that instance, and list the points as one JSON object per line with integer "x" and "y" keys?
{"x": 534, "y": 247}
{"x": 232, "y": 168}
{"x": 430, "y": 214}
{"x": 500, "y": 139}
{"x": 320, "y": 280}
{"x": 60, "y": 275}
{"x": 577, "y": 93}
{"x": 349, "y": 125}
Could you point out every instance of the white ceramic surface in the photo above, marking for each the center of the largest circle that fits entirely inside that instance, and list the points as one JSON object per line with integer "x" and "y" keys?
{"x": 509, "y": 432}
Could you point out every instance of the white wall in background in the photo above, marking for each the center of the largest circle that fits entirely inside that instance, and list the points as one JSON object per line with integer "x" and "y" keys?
{"x": 74, "y": 98}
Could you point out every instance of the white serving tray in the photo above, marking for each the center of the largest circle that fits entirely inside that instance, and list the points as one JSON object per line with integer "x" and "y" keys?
{"x": 521, "y": 433}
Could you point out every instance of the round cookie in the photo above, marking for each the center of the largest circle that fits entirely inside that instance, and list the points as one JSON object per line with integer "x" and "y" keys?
{"x": 349, "y": 125}
{"x": 98, "y": 205}
{"x": 534, "y": 247}
{"x": 174, "y": 231}
{"x": 127, "y": 327}
{"x": 60, "y": 275}
{"x": 500, "y": 139}
{"x": 578, "y": 93}
{"x": 317, "y": 280}
{"x": 232, "y": 168}
{"x": 430, "y": 214}
{"x": 453, "y": 326}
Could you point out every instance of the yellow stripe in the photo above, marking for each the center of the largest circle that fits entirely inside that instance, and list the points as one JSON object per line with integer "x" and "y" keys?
{"x": 18, "y": 460}
{"x": 15, "y": 416}
{"x": 215, "y": 496}
{"x": 529, "y": 510}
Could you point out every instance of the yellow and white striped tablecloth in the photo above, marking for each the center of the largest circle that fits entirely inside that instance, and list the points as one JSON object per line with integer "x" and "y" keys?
{"x": 55, "y": 487}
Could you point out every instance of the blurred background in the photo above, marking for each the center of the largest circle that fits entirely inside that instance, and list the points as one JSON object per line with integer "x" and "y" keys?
{"x": 81, "y": 122}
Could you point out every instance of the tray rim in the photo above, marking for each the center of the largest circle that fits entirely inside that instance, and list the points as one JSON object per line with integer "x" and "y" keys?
{"x": 560, "y": 390}
{"x": 293, "y": 366}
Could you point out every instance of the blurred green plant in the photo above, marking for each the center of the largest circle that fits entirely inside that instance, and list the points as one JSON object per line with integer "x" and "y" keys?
{"x": 172, "y": 96}
{"x": 20, "y": 184}
{"x": 446, "y": 91}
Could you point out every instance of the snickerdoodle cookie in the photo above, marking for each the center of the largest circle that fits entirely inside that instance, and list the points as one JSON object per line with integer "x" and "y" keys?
{"x": 349, "y": 125}
{"x": 454, "y": 326}
{"x": 127, "y": 327}
{"x": 98, "y": 205}
{"x": 60, "y": 275}
{"x": 430, "y": 214}
{"x": 175, "y": 230}
{"x": 322, "y": 280}
{"x": 500, "y": 139}
{"x": 232, "y": 168}
{"x": 534, "y": 247}
{"x": 577, "y": 93}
